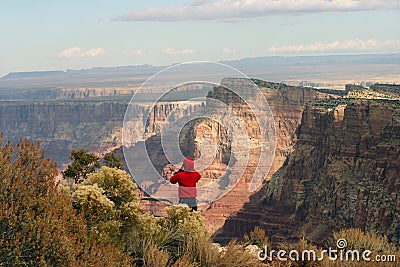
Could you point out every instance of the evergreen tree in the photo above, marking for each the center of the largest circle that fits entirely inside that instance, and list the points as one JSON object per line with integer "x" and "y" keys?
{"x": 38, "y": 224}
{"x": 111, "y": 160}
{"x": 82, "y": 164}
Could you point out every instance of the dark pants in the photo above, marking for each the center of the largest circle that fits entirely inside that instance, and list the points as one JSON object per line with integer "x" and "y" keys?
{"x": 190, "y": 201}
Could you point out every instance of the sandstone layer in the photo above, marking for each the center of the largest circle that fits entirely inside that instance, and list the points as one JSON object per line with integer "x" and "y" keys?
{"x": 287, "y": 104}
{"x": 96, "y": 126}
{"x": 61, "y": 126}
{"x": 342, "y": 173}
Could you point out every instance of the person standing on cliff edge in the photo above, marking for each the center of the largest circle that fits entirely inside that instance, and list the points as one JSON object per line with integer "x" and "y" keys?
{"x": 187, "y": 180}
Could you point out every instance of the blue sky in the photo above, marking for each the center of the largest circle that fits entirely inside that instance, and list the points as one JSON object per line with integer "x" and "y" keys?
{"x": 57, "y": 35}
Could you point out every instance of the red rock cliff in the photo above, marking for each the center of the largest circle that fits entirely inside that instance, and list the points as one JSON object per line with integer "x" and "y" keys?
{"x": 287, "y": 104}
{"x": 342, "y": 173}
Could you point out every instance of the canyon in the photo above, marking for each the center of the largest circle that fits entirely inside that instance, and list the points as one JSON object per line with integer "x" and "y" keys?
{"x": 342, "y": 173}
{"x": 62, "y": 126}
{"x": 73, "y": 119}
{"x": 335, "y": 163}
{"x": 287, "y": 104}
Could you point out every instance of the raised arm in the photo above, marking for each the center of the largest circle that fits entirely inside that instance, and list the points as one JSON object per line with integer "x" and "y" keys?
{"x": 174, "y": 179}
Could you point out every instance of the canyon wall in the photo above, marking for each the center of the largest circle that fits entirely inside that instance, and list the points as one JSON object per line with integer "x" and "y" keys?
{"x": 287, "y": 104}
{"x": 65, "y": 125}
{"x": 64, "y": 93}
{"x": 82, "y": 93}
{"x": 96, "y": 126}
{"x": 342, "y": 173}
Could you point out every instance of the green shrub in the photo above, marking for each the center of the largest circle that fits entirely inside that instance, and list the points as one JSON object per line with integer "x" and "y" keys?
{"x": 110, "y": 204}
{"x": 38, "y": 224}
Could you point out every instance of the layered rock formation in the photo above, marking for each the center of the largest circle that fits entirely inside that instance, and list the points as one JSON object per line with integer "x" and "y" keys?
{"x": 65, "y": 125}
{"x": 287, "y": 104}
{"x": 64, "y": 93}
{"x": 80, "y": 93}
{"x": 342, "y": 173}
{"x": 96, "y": 126}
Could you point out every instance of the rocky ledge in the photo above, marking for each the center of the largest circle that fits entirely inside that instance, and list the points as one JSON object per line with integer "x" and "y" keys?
{"x": 342, "y": 173}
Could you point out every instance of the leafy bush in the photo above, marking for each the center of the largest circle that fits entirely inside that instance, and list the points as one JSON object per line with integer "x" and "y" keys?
{"x": 38, "y": 224}
{"x": 108, "y": 200}
{"x": 179, "y": 225}
{"x": 111, "y": 160}
{"x": 117, "y": 185}
{"x": 82, "y": 164}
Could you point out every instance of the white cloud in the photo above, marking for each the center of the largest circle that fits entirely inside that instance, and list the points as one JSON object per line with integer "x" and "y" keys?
{"x": 77, "y": 52}
{"x": 171, "y": 51}
{"x": 229, "y": 50}
{"x": 233, "y": 10}
{"x": 93, "y": 52}
{"x": 355, "y": 44}
{"x": 137, "y": 52}
{"x": 70, "y": 52}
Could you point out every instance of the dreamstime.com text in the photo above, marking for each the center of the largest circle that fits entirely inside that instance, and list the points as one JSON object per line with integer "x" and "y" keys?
{"x": 338, "y": 254}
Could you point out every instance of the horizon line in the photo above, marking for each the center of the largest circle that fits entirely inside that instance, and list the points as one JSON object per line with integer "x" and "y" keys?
{"x": 175, "y": 63}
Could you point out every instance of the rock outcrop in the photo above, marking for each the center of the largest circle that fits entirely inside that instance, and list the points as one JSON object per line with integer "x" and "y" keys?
{"x": 342, "y": 173}
{"x": 287, "y": 104}
{"x": 96, "y": 125}
{"x": 65, "y": 125}
{"x": 65, "y": 93}
{"x": 84, "y": 93}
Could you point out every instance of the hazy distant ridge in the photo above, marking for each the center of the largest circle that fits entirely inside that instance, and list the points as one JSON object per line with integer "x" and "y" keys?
{"x": 275, "y": 68}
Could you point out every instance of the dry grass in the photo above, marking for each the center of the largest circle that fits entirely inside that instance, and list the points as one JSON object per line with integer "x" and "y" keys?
{"x": 361, "y": 241}
{"x": 356, "y": 240}
{"x": 302, "y": 245}
{"x": 257, "y": 237}
{"x": 185, "y": 261}
{"x": 236, "y": 255}
{"x": 154, "y": 257}
{"x": 201, "y": 250}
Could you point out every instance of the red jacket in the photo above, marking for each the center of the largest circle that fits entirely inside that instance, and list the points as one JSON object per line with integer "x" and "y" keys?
{"x": 187, "y": 183}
